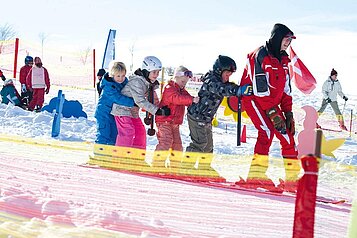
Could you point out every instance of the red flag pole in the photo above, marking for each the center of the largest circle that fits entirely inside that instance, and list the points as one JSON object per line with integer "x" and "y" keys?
{"x": 16, "y": 54}
{"x": 94, "y": 75}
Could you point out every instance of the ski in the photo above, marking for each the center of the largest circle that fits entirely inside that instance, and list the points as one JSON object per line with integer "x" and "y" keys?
{"x": 219, "y": 184}
{"x": 274, "y": 192}
{"x": 330, "y": 129}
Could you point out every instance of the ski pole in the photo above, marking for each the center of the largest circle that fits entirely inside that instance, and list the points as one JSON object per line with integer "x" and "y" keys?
{"x": 351, "y": 122}
{"x": 151, "y": 130}
{"x": 344, "y": 106}
{"x": 239, "y": 122}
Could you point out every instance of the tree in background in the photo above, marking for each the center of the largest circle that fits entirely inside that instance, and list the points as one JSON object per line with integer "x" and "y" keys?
{"x": 131, "y": 50}
{"x": 43, "y": 36}
{"x": 6, "y": 33}
{"x": 84, "y": 54}
{"x": 170, "y": 70}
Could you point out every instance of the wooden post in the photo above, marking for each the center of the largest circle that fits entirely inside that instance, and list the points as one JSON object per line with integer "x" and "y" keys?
{"x": 318, "y": 145}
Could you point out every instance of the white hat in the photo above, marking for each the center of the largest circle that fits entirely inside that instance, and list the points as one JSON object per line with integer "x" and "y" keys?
{"x": 8, "y": 81}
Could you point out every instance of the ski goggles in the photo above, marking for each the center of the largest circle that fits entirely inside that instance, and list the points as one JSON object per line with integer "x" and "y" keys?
{"x": 290, "y": 36}
{"x": 187, "y": 74}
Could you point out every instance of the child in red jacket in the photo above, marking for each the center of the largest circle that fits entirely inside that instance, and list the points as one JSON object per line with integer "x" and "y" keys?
{"x": 38, "y": 81}
{"x": 176, "y": 98}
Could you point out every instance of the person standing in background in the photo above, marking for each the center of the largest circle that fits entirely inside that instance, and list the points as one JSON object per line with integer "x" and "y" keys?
{"x": 26, "y": 95}
{"x": 330, "y": 89}
{"x": 38, "y": 81}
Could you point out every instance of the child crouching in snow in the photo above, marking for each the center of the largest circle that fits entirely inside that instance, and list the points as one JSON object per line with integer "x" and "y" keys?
{"x": 176, "y": 98}
{"x": 111, "y": 85}
{"x": 131, "y": 130}
{"x": 10, "y": 94}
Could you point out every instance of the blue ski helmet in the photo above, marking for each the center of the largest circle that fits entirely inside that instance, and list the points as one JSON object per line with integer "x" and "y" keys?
{"x": 224, "y": 63}
{"x": 28, "y": 59}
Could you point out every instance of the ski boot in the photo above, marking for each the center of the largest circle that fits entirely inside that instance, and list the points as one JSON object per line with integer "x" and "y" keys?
{"x": 292, "y": 171}
{"x": 175, "y": 163}
{"x": 159, "y": 162}
{"x": 37, "y": 108}
{"x": 205, "y": 168}
{"x": 341, "y": 123}
{"x": 343, "y": 127}
{"x": 257, "y": 177}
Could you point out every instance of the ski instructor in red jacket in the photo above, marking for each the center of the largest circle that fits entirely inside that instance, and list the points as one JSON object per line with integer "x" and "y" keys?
{"x": 270, "y": 108}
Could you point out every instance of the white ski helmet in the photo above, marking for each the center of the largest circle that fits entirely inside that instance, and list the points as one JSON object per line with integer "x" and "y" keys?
{"x": 151, "y": 63}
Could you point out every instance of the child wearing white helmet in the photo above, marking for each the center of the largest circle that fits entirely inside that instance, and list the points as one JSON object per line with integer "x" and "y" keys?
{"x": 141, "y": 87}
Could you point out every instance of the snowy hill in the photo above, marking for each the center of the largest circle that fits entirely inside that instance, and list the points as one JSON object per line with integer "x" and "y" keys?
{"x": 40, "y": 180}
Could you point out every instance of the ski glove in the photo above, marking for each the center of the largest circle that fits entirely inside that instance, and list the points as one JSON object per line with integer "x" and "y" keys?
{"x": 277, "y": 120}
{"x": 23, "y": 88}
{"x": 47, "y": 90}
{"x": 328, "y": 100}
{"x": 345, "y": 98}
{"x": 290, "y": 122}
{"x": 164, "y": 111}
{"x": 245, "y": 90}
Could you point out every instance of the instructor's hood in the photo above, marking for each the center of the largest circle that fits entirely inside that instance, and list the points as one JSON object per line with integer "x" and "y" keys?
{"x": 277, "y": 34}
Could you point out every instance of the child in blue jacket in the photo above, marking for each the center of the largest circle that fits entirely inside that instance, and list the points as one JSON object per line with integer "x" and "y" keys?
{"x": 111, "y": 85}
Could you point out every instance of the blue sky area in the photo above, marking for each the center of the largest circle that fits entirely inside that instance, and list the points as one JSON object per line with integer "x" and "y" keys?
{"x": 90, "y": 20}
{"x": 193, "y": 32}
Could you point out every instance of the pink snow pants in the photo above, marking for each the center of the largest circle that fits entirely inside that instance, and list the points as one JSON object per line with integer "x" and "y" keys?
{"x": 131, "y": 132}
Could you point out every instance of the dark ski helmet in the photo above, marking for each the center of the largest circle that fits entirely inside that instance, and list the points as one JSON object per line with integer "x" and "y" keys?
{"x": 28, "y": 59}
{"x": 224, "y": 63}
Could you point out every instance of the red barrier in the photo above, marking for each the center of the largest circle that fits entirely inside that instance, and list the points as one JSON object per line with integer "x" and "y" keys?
{"x": 305, "y": 203}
